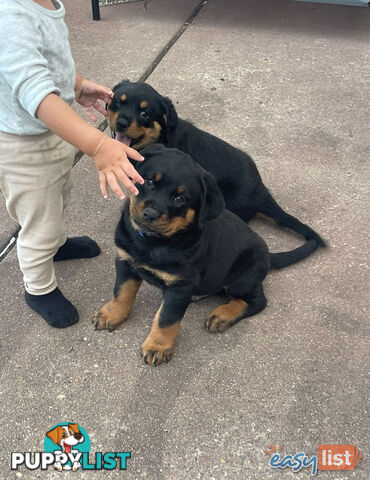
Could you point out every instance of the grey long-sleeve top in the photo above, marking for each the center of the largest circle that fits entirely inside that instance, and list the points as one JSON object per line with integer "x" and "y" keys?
{"x": 35, "y": 60}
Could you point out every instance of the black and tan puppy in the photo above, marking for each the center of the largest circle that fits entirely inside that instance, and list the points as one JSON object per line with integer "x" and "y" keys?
{"x": 141, "y": 116}
{"x": 177, "y": 235}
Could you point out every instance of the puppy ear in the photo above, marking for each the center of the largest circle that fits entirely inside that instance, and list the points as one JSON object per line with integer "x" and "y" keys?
{"x": 124, "y": 81}
{"x": 212, "y": 202}
{"x": 74, "y": 427}
{"x": 169, "y": 116}
{"x": 147, "y": 152}
{"x": 55, "y": 434}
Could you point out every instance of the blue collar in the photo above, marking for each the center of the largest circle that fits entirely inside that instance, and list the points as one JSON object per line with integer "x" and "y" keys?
{"x": 147, "y": 235}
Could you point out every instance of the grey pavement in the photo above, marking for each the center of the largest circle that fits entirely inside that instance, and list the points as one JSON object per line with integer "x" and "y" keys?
{"x": 288, "y": 82}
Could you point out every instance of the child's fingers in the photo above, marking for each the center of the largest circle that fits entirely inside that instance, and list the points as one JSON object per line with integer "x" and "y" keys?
{"x": 132, "y": 153}
{"x": 107, "y": 98}
{"x": 99, "y": 107}
{"x": 126, "y": 182}
{"x": 114, "y": 185}
{"x": 132, "y": 173}
{"x": 90, "y": 113}
{"x": 106, "y": 93}
{"x": 103, "y": 185}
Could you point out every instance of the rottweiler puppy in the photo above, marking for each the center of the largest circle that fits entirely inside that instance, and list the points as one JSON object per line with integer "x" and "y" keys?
{"x": 140, "y": 116}
{"x": 177, "y": 235}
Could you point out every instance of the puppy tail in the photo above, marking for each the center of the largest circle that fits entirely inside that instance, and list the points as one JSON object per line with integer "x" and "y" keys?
{"x": 269, "y": 207}
{"x": 284, "y": 259}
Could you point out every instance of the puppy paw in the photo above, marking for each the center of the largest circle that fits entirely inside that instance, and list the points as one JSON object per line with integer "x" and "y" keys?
{"x": 225, "y": 316}
{"x": 215, "y": 324}
{"x": 107, "y": 317}
{"x": 101, "y": 321}
{"x": 154, "y": 355}
{"x": 160, "y": 344}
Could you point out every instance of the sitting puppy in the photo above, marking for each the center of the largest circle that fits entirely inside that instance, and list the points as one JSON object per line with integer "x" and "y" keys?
{"x": 140, "y": 116}
{"x": 177, "y": 235}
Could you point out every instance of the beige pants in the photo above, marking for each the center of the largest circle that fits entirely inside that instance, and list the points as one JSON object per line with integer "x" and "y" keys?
{"x": 35, "y": 178}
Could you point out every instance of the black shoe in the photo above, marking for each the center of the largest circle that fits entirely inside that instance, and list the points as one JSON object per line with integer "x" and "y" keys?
{"x": 54, "y": 308}
{"x": 77, "y": 247}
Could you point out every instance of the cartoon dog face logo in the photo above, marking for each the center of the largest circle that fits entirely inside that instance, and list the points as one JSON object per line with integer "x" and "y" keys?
{"x": 66, "y": 436}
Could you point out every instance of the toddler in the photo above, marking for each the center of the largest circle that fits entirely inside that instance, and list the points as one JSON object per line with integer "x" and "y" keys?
{"x": 39, "y": 134}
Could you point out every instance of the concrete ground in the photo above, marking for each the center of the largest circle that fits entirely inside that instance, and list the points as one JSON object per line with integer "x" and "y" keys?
{"x": 288, "y": 82}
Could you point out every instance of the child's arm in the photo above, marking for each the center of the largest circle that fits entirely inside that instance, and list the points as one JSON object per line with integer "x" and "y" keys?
{"x": 111, "y": 159}
{"x": 26, "y": 70}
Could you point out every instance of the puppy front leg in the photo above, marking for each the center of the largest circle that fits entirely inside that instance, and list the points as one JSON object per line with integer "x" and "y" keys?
{"x": 159, "y": 345}
{"x": 113, "y": 313}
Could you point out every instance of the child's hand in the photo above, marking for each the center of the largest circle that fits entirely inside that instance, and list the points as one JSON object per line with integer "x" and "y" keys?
{"x": 88, "y": 95}
{"x": 110, "y": 156}
{"x": 114, "y": 167}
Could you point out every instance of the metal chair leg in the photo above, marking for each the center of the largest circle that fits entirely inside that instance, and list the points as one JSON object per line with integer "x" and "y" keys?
{"x": 95, "y": 9}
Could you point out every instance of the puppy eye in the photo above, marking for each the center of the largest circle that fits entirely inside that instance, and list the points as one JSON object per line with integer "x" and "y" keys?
{"x": 179, "y": 200}
{"x": 149, "y": 182}
{"x": 64, "y": 434}
{"x": 144, "y": 115}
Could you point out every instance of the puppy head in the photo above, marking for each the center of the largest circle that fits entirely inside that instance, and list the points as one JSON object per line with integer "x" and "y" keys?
{"x": 66, "y": 434}
{"x": 177, "y": 195}
{"x": 139, "y": 115}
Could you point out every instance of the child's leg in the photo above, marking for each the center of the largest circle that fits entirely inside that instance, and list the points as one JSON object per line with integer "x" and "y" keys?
{"x": 35, "y": 177}
{"x": 74, "y": 247}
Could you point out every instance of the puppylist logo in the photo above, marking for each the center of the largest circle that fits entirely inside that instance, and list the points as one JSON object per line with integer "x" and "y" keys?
{"x": 330, "y": 457}
{"x": 67, "y": 447}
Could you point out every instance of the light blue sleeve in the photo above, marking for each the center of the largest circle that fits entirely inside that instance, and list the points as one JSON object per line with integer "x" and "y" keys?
{"x": 22, "y": 63}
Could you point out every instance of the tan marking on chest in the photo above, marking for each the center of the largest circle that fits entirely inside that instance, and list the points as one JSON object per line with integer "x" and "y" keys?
{"x": 168, "y": 278}
{"x": 123, "y": 255}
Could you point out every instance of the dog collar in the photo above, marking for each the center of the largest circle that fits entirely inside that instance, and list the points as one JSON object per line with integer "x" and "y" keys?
{"x": 149, "y": 235}
{"x": 142, "y": 234}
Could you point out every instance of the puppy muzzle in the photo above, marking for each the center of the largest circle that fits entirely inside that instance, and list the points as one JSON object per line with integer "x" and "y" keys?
{"x": 150, "y": 214}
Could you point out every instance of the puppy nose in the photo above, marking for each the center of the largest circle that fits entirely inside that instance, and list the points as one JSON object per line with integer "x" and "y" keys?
{"x": 150, "y": 214}
{"x": 122, "y": 123}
